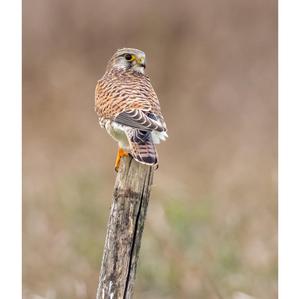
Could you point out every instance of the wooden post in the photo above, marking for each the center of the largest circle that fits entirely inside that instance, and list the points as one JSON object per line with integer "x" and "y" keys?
{"x": 125, "y": 229}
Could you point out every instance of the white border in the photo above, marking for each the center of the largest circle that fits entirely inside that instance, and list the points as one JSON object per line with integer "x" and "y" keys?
{"x": 10, "y": 149}
{"x": 289, "y": 149}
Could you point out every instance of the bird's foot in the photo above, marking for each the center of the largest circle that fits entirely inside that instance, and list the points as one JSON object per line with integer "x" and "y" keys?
{"x": 121, "y": 153}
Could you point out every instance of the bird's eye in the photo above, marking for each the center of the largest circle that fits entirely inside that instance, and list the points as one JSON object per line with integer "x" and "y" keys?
{"x": 128, "y": 57}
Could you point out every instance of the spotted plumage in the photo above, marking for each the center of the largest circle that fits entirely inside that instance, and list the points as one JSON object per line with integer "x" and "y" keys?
{"x": 128, "y": 107}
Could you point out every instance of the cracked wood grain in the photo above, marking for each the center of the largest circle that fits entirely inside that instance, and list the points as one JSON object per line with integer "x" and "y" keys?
{"x": 125, "y": 229}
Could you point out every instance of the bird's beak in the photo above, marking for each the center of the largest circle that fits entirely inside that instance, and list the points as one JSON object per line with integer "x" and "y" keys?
{"x": 141, "y": 61}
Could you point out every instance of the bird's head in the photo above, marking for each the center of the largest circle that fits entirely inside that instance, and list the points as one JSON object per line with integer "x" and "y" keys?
{"x": 128, "y": 59}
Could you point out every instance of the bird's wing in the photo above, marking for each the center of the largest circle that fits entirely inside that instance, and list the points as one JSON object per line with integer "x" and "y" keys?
{"x": 139, "y": 119}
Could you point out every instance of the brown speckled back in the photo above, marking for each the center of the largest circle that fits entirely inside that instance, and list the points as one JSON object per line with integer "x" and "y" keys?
{"x": 120, "y": 90}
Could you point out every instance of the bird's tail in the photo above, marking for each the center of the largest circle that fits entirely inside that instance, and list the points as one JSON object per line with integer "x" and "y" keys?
{"x": 142, "y": 147}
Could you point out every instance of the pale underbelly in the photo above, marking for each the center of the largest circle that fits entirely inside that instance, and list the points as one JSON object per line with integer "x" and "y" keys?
{"x": 117, "y": 132}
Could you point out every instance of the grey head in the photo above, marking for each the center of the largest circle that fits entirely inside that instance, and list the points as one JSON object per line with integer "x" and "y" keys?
{"x": 128, "y": 59}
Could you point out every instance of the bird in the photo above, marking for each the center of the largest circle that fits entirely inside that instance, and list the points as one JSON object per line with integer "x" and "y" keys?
{"x": 128, "y": 107}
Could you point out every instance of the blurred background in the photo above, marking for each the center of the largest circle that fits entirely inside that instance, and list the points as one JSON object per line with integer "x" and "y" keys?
{"x": 211, "y": 228}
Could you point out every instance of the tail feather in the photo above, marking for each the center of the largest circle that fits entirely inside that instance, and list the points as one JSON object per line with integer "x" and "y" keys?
{"x": 142, "y": 147}
{"x": 144, "y": 153}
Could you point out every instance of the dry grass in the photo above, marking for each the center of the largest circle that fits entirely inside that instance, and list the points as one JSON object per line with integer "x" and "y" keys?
{"x": 211, "y": 230}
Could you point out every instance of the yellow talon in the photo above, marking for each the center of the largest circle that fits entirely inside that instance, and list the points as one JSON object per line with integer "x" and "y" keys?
{"x": 121, "y": 153}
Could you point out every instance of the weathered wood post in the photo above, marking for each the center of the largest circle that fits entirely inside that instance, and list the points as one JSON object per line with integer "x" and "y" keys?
{"x": 125, "y": 229}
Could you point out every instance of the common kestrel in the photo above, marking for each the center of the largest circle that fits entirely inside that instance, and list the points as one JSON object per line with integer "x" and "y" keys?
{"x": 128, "y": 107}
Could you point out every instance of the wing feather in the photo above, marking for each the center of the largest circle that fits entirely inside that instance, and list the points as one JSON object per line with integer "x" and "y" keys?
{"x": 138, "y": 119}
